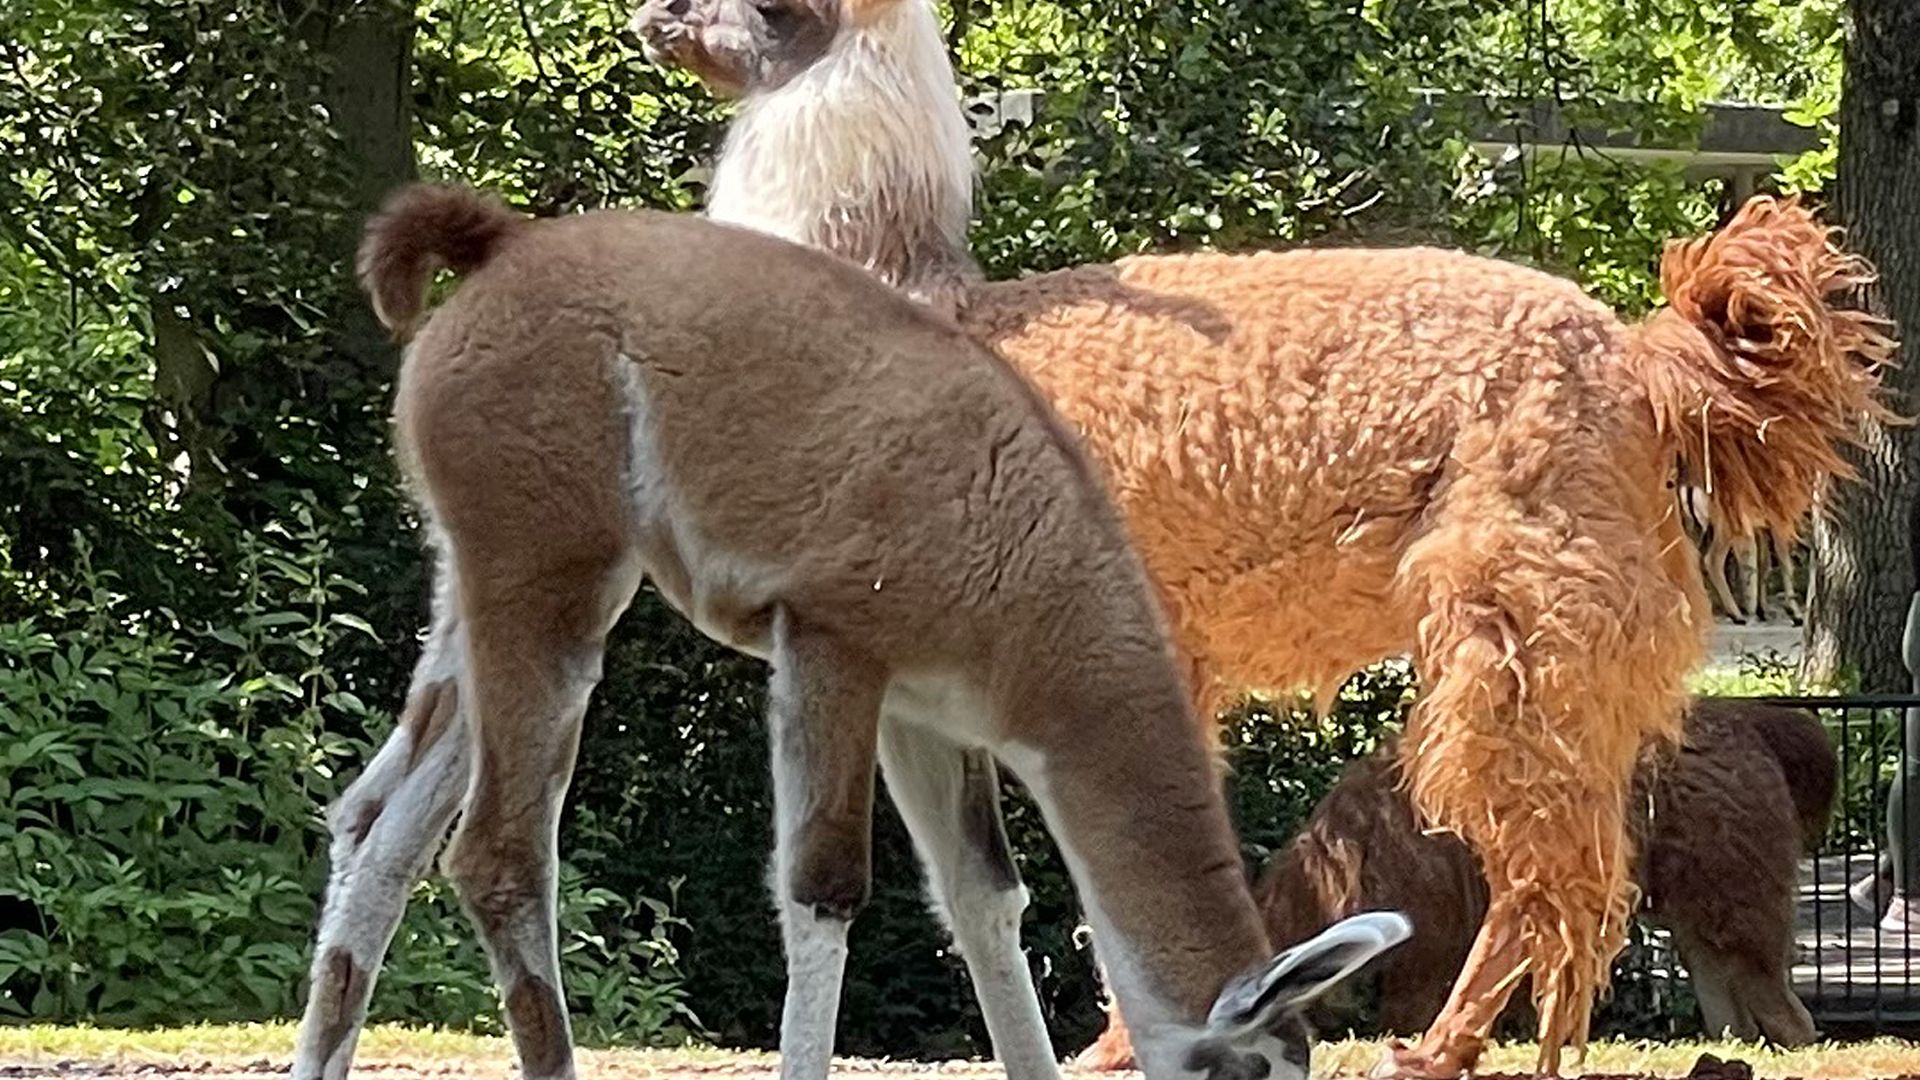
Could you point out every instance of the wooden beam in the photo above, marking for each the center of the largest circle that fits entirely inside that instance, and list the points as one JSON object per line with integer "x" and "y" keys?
{"x": 1735, "y": 139}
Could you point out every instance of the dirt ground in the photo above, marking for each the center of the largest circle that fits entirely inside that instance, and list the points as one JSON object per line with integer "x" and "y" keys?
{"x": 624, "y": 1067}
{"x": 388, "y": 1053}
{"x": 755, "y": 1067}
{"x": 481, "y": 1070}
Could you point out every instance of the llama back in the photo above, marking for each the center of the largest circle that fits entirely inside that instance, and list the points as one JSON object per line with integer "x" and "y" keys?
{"x": 1314, "y": 399}
{"x": 1310, "y": 381}
{"x": 602, "y": 299}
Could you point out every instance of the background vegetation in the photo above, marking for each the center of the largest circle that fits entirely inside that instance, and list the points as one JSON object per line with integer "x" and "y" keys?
{"x": 209, "y": 582}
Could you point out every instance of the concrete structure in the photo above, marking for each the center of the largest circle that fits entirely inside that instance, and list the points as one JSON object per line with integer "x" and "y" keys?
{"x": 1739, "y": 142}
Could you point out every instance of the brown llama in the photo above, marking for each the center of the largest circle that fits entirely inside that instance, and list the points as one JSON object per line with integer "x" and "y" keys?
{"x": 1433, "y": 453}
{"x": 1724, "y": 819}
{"x": 815, "y": 471}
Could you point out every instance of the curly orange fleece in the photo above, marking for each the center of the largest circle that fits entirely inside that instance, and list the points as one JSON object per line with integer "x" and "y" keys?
{"x": 1329, "y": 457}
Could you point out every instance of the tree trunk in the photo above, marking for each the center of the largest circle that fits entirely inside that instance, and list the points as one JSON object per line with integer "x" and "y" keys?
{"x": 1863, "y": 575}
{"x": 368, "y": 45}
{"x": 367, "y": 49}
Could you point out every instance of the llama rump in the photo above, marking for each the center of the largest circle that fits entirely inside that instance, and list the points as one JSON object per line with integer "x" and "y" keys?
{"x": 1439, "y": 455}
{"x": 1727, "y": 817}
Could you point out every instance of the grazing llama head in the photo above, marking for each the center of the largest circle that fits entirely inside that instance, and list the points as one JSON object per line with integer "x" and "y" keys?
{"x": 850, "y": 135}
{"x": 1256, "y": 1029}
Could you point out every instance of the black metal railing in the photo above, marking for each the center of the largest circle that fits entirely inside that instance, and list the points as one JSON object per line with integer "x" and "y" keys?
{"x": 1847, "y": 967}
{"x": 1852, "y": 973}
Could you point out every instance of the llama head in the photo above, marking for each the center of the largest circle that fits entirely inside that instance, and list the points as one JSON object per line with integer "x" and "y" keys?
{"x": 745, "y": 47}
{"x": 1256, "y": 1029}
{"x": 850, "y": 137}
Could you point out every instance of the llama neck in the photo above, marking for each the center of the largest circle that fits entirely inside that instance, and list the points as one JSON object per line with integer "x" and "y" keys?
{"x": 865, "y": 154}
{"x": 1119, "y": 767}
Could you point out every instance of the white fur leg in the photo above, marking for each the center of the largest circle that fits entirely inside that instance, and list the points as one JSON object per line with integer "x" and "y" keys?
{"x": 816, "y": 947}
{"x": 986, "y": 929}
{"x": 385, "y": 828}
{"x": 950, "y": 800}
{"x": 824, "y": 712}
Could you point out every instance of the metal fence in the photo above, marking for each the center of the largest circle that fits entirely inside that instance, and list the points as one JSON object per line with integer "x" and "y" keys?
{"x": 1855, "y": 976}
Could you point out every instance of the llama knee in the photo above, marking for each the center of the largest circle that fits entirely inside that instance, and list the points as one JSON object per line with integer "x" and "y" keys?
{"x": 982, "y": 917}
{"x": 337, "y": 998}
{"x": 497, "y": 882}
{"x": 429, "y": 715}
{"x": 828, "y": 870}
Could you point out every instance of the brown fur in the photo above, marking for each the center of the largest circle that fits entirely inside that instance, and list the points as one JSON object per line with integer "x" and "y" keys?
{"x": 1431, "y": 453}
{"x": 1805, "y": 756}
{"x": 1749, "y": 790}
{"x": 1724, "y": 822}
{"x": 929, "y": 527}
{"x": 814, "y": 470}
{"x": 423, "y": 230}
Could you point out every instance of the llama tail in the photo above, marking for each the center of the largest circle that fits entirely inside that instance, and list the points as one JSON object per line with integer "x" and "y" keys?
{"x": 422, "y": 228}
{"x": 1752, "y": 371}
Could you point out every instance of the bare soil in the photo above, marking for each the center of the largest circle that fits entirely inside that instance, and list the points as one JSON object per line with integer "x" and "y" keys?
{"x": 657, "y": 1065}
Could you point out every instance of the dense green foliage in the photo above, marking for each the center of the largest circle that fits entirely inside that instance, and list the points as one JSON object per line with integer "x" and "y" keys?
{"x": 209, "y": 582}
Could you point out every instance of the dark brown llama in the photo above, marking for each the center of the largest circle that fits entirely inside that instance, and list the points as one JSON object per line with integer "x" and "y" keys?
{"x": 1725, "y": 819}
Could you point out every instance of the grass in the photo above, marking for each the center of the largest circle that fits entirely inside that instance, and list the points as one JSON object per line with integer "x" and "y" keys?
{"x": 1879, "y": 1058}
{"x": 435, "y": 1051}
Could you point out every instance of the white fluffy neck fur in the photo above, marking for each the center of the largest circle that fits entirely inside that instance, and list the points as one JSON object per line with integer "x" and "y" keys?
{"x": 865, "y": 153}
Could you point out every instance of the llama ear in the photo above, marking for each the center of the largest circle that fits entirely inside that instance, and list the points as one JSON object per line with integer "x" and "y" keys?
{"x": 1307, "y": 970}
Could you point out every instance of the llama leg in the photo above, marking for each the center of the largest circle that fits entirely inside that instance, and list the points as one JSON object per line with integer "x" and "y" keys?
{"x": 1454, "y": 1039}
{"x": 1113, "y": 1050}
{"x": 950, "y": 800}
{"x": 1722, "y": 1014}
{"x": 385, "y": 827}
{"x": 1546, "y": 659}
{"x": 534, "y": 651}
{"x": 1781, "y": 1017}
{"x": 825, "y": 714}
{"x": 1718, "y": 550}
{"x": 1783, "y": 562}
{"x": 1746, "y": 555}
{"x": 1746, "y": 992}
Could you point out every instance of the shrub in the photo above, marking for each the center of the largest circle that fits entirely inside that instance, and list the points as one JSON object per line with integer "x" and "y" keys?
{"x": 160, "y": 797}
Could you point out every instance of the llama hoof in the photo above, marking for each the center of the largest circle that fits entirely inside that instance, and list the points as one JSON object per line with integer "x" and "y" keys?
{"x": 1398, "y": 1061}
{"x": 1111, "y": 1052}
